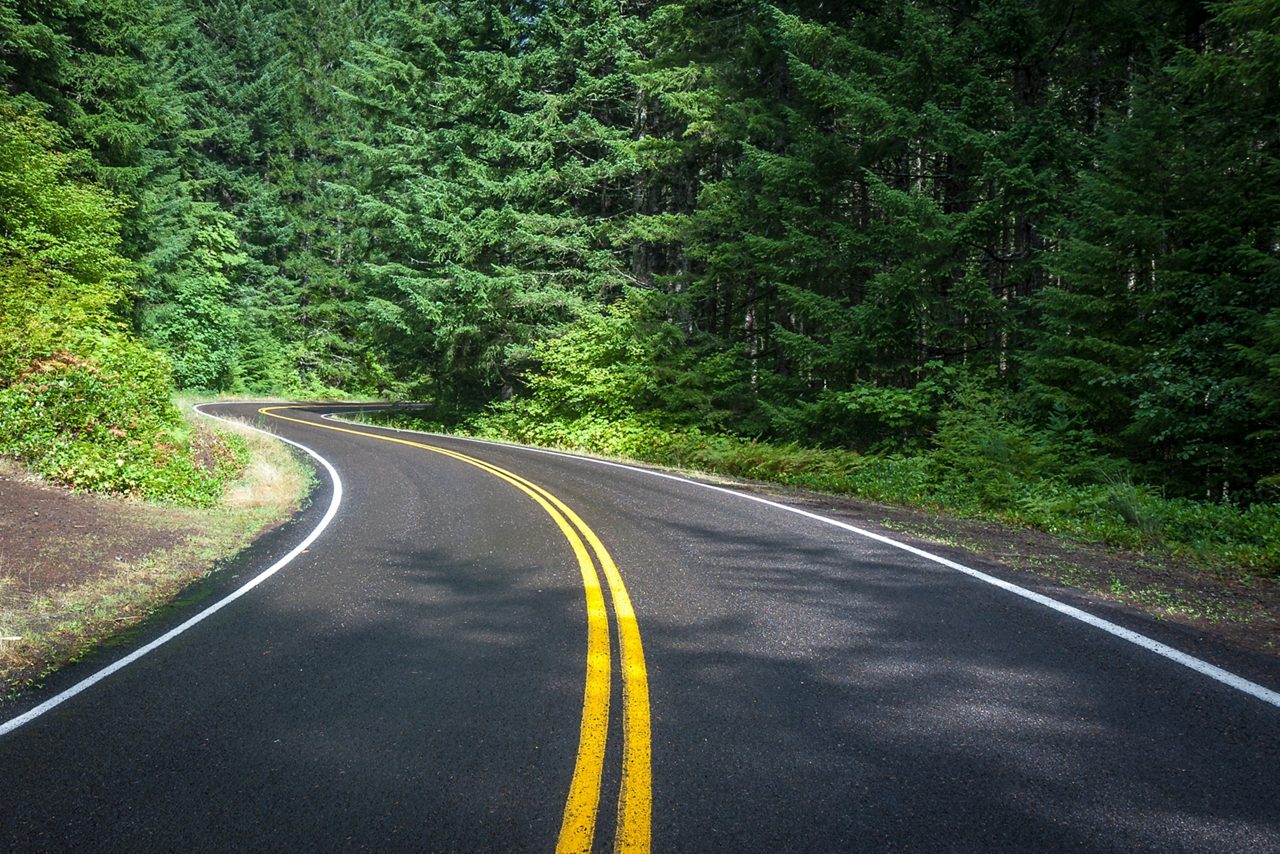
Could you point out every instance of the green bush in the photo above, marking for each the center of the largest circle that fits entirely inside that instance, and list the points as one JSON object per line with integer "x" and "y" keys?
{"x": 82, "y": 402}
{"x": 107, "y": 425}
{"x": 883, "y": 417}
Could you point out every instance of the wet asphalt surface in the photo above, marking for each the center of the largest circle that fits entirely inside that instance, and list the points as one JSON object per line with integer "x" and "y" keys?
{"x": 414, "y": 682}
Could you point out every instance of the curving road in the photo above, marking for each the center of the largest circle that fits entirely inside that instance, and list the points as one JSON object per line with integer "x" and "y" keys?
{"x": 492, "y": 648}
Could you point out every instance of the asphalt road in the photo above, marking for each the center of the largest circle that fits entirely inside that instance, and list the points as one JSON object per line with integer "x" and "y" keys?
{"x": 419, "y": 679}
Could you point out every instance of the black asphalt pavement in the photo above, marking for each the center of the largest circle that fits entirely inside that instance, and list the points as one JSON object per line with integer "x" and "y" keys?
{"x": 414, "y": 681}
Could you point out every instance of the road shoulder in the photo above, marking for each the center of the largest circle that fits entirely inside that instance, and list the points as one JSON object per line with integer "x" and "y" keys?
{"x": 1227, "y": 621}
{"x": 79, "y": 571}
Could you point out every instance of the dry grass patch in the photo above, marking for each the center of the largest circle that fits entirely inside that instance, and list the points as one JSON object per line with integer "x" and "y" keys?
{"x": 273, "y": 477}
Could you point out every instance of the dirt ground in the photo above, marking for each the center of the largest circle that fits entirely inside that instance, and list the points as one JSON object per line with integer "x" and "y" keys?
{"x": 76, "y": 570}
{"x": 51, "y": 538}
{"x": 1239, "y": 610}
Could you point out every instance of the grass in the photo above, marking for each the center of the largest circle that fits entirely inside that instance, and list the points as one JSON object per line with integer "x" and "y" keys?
{"x": 1144, "y": 583}
{"x": 1164, "y": 601}
{"x": 57, "y": 626}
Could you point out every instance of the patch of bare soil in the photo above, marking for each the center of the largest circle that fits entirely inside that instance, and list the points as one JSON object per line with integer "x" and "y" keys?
{"x": 1222, "y": 604}
{"x": 78, "y": 569}
{"x": 51, "y": 538}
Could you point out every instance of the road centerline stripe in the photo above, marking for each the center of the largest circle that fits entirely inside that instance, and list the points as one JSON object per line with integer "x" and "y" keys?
{"x": 635, "y": 797}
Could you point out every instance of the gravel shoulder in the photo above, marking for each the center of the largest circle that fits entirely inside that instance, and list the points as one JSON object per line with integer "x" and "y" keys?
{"x": 1222, "y": 607}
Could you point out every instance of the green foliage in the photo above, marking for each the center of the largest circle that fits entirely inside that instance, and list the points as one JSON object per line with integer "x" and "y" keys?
{"x": 81, "y": 401}
{"x": 105, "y": 423}
{"x": 885, "y": 417}
{"x": 626, "y": 361}
{"x": 984, "y": 459}
{"x": 1155, "y": 336}
{"x": 60, "y": 271}
{"x": 598, "y": 369}
{"x": 491, "y": 154}
{"x": 1032, "y": 246}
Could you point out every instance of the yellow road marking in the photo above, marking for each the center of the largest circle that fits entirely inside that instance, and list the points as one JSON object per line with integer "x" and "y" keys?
{"x": 635, "y": 796}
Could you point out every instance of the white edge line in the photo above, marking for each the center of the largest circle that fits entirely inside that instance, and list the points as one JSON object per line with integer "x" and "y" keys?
{"x": 1202, "y": 667}
{"x": 88, "y": 682}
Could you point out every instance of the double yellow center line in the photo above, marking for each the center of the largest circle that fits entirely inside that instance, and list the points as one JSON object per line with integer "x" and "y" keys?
{"x": 635, "y": 795}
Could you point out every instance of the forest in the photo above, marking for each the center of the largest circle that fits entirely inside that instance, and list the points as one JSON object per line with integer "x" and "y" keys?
{"x": 1017, "y": 257}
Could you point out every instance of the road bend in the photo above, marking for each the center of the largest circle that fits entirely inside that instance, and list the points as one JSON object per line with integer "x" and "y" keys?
{"x": 491, "y": 648}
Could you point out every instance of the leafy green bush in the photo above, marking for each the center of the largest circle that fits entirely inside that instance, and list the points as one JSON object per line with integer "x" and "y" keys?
{"x": 108, "y": 425}
{"x": 631, "y": 361}
{"x": 884, "y": 417}
{"x": 81, "y": 401}
{"x": 982, "y": 458}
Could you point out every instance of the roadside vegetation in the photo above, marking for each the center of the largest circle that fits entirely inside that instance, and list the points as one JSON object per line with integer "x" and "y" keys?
{"x": 83, "y": 402}
{"x": 86, "y": 405}
{"x": 101, "y": 565}
{"x": 978, "y": 464}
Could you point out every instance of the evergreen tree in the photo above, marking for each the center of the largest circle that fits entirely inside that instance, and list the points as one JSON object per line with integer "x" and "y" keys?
{"x": 1170, "y": 269}
{"x": 806, "y": 220}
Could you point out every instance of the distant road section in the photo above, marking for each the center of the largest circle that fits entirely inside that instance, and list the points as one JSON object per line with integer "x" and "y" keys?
{"x": 493, "y": 649}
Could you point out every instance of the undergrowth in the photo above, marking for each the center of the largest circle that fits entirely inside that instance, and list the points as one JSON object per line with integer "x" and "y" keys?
{"x": 977, "y": 466}
{"x": 105, "y": 423}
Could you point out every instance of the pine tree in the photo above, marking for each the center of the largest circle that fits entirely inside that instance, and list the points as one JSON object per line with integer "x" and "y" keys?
{"x": 1154, "y": 336}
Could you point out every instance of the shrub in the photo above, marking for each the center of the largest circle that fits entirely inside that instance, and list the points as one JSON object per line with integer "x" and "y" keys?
{"x": 107, "y": 425}
{"x": 81, "y": 401}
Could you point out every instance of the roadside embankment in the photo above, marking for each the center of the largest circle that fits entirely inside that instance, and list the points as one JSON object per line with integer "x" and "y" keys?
{"x": 76, "y": 569}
